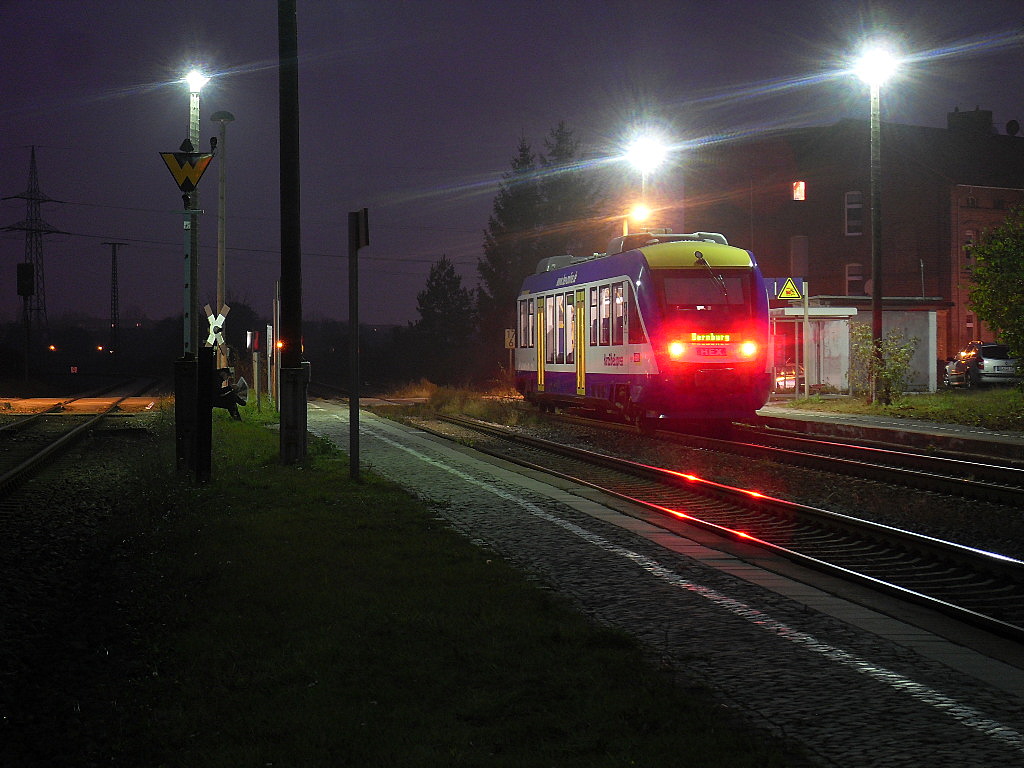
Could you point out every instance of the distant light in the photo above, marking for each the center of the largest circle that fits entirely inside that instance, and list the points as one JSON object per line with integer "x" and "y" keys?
{"x": 876, "y": 65}
{"x": 640, "y": 213}
{"x": 53, "y": 347}
{"x": 196, "y": 80}
{"x": 646, "y": 153}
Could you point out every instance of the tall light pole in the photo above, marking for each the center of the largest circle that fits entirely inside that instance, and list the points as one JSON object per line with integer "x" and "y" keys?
{"x": 222, "y": 167}
{"x": 193, "y": 373}
{"x": 645, "y": 153}
{"x": 874, "y": 67}
{"x": 195, "y": 80}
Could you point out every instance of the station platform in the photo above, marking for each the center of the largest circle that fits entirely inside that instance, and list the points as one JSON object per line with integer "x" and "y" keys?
{"x": 912, "y": 433}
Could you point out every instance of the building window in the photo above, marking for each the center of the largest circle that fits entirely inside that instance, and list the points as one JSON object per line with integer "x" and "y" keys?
{"x": 972, "y": 201}
{"x": 854, "y": 280}
{"x": 854, "y": 213}
{"x": 968, "y": 244}
{"x": 799, "y": 190}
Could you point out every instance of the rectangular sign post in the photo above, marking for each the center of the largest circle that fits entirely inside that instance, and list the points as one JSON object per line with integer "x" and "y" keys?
{"x": 358, "y": 237}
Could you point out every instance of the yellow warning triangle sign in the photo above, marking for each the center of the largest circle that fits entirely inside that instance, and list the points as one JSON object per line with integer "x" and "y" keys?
{"x": 789, "y": 290}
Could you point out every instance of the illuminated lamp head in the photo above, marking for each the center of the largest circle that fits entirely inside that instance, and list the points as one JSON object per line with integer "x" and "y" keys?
{"x": 676, "y": 350}
{"x": 748, "y": 349}
{"x": 196, "y": 80}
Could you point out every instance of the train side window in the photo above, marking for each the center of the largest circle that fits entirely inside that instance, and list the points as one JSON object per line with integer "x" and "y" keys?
{"x": 549, "y": 329}
{"x": 560, "y": 328}
{"x": 570, "y": 328}
{"x": 525, "y": 337}
{"x": 636, "y": 328}
{"x": 618, "y": 314}
{"x": 531, "y": 325}
{"x": 605, "y": 312}
{"x": 593, "y": 317}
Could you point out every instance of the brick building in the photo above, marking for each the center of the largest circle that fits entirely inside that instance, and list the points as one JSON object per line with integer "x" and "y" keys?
{"x": 800, "y": 200}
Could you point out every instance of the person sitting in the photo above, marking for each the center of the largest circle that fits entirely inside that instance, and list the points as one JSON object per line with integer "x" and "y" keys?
{"x": 225, "y": 395}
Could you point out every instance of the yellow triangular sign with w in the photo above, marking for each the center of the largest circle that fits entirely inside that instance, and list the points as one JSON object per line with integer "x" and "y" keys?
{"x": 187, "y": 168}
{"x": 789, "y": 290}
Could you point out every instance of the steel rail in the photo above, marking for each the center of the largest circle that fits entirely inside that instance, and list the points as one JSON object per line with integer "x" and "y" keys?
{"x": 839, "y": 544}
{"x": 10, "y": 479}
{"x": 977, "y": 479}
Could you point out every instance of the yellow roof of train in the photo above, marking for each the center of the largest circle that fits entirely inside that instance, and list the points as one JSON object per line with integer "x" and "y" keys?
{"x": 682, "y": 254}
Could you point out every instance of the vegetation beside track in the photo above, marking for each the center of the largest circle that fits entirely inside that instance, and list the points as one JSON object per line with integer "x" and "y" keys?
{"x": 999, "y": 408}
{"x": 288, "y": 616}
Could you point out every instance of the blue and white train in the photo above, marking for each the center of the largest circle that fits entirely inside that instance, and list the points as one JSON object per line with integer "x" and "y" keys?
{"x": 662, "y": 326}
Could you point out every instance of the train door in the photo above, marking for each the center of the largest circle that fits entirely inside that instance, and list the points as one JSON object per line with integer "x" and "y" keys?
{"x": 541, "y": 356}
{"x": 581, "y": 342}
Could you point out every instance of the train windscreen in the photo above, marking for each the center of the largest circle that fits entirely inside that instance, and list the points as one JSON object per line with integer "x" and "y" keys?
{"x": 723, "y": 294}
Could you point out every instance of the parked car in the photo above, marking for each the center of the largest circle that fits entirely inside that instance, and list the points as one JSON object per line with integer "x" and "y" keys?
{"x": 981, "y": 363}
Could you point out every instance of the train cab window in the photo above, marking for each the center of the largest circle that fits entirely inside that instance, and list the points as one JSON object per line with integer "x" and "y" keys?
{"x": 635, "y": 327}
{"x": 618, "y": 314}
{"x": 593, "y": 317}
{"x": 702, "y": 291}
{"x": 570, "y": 328}
{"x": 605, "y": 315}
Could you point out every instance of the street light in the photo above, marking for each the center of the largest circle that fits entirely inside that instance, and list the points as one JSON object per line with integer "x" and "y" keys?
{"x": 645, "y": 153}
{"x": 874, "y": 67}
{"x": 222, "y": 167}
{"x": 639, "y": 213}
{"x": 195, "y": 81}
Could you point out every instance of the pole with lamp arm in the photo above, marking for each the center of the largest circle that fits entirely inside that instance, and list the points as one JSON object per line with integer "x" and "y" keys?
{"x": 874, "y": 67}
{"x": 645, "y": 154}
{"x": 193, "y": 383}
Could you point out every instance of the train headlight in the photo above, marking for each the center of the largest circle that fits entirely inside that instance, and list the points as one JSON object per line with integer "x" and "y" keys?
{"x": 748, "y": 349}
{"x": 676, "y": 350}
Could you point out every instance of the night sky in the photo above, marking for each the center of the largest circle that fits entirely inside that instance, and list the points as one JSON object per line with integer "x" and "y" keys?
{"x": 414, "y": 110}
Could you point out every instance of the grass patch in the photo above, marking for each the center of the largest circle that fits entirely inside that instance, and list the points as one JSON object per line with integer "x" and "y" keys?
{"x": 296, "y": 618}
{"x": 990, "y": 407}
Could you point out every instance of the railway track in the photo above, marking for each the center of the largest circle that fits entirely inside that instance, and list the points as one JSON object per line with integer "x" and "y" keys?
{"x": 984, "y": 478}
{"x": 983, "y": 588}
{"x": 981, "y": 477}
{"x": 29, "y": 443}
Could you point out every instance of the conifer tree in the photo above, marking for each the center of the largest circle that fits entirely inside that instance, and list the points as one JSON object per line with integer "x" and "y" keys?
{"x": 446, "y": 323}
{"x": 544, "y": 207}
{"x": 510, "y": 248}
{"x": 570, "y": 199}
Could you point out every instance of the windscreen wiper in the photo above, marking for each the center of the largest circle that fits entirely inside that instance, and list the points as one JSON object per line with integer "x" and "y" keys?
{"x": 718, "y": 279}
